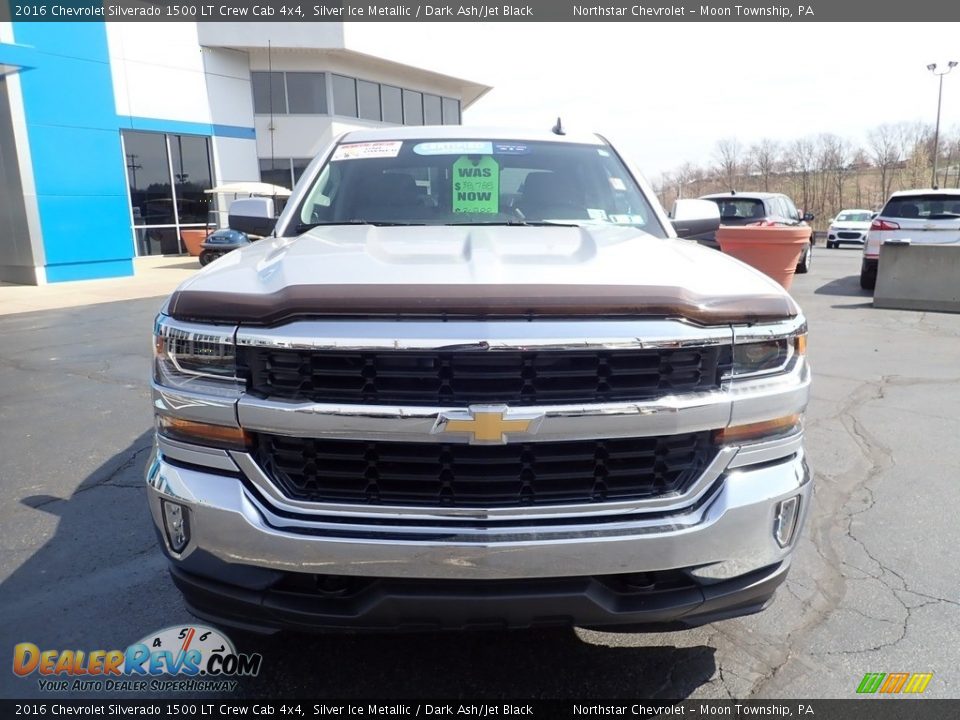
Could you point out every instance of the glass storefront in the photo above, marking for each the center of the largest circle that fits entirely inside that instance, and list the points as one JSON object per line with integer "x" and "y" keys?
{"x": 167, "y": 176}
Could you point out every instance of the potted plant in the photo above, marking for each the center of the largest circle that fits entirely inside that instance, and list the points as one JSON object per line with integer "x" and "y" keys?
{"x": 772, "y": 249}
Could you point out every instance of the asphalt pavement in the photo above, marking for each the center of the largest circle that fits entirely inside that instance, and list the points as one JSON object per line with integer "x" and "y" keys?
{"x": 875, "y": 585}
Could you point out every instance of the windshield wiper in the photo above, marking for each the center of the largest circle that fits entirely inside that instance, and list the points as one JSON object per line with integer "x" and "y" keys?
{"x": 303, "y": 227}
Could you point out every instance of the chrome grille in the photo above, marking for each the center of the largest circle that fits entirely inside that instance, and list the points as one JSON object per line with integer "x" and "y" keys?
{"x": 450, "y": 378}
{"x": 436, "y": 474}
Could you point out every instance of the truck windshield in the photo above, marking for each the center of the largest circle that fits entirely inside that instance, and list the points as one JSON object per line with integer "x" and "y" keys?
{"x": 474, "y": 182}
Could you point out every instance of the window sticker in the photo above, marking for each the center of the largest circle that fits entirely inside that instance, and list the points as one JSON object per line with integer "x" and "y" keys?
{"x": 511, "y": 149}
{"x": 617, "y": 184}
{"x": 602, "y": 153}
{"x": 476, "y": 185}
{"x": 454, "y": 147}
{"x": 597, "y": 213}
{"x": 359, "y": 151}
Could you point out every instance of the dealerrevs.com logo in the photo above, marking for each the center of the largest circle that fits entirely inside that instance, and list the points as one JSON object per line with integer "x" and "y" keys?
{"x": 201, "y": 658}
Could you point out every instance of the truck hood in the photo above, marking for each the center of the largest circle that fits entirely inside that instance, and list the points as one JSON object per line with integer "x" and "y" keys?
{"x": 480, "y": 272}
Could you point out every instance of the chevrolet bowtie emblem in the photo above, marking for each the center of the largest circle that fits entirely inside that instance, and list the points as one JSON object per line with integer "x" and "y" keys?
{"x": 487, "y": 424}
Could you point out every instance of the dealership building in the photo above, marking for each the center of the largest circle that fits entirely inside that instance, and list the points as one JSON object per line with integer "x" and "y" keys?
{"x": 111, "y": 132}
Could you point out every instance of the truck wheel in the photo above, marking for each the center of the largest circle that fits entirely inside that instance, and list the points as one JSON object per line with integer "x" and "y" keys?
{"x": 868, "y": 277}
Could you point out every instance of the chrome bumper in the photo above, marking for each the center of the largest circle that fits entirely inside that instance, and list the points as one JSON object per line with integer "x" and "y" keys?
{"x": 727, "y": 531}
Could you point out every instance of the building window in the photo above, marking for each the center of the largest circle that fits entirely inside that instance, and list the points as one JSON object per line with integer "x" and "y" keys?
{"x": 167, "y": 176}
{"x": 344, "y": 96}
{"x": 299, "y": 165}
{"x": 282, "y": 171}
{"x": 451, "y": 111}
{"x": 431, "y": 110}
{"x": 368, "y": 100}
{"x": 307, "y": 93}
{"x": 412, "y": 108}
{"x": 269, "y": 94}
{"x": 190, "y": 157}
{"x": 392, "y": 99}
{"x": 276, "y": 171}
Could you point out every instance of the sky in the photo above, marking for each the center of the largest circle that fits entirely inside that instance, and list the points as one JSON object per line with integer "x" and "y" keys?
{"x": 665, "y": 93}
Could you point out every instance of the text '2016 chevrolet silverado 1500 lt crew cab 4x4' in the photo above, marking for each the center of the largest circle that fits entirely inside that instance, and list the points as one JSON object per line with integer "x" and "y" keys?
{"x": 475, "y": 380}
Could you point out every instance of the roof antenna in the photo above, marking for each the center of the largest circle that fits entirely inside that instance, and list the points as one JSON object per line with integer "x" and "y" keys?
{"x": 558, "y": 128}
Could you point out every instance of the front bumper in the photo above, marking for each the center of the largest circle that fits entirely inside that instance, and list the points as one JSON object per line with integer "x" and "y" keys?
{"x": 502, "y": 571}
{"x": 841, "y": 236}
{"x": 391, "y": 605}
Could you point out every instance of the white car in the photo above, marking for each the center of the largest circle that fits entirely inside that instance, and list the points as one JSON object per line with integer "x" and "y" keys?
{"x": 930, "y": 217}
{"x": 849, "y": 226}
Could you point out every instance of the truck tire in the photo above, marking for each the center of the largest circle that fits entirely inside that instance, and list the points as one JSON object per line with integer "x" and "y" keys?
{"x": 868, "y": 277}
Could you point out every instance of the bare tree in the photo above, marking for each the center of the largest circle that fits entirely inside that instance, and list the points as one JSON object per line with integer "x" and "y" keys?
{"x": 764, "y": 157}
{"x": 916, "y": 149}
{"x": 885, "y": 152}
{"x": 836, "y": 159}
{"x": 728, "y": 157}
{"x": 800, "y": 160}
{"x": 949, "y": 164}
{"x": 860, "y": 162}
{"x": 685, "y": 176}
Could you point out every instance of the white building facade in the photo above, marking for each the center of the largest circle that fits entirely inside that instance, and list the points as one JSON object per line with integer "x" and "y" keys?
{"x": 110, "y": 133}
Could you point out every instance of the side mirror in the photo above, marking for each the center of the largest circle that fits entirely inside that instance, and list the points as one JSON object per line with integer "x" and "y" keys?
{"x": 808, "y": 217}
{"x": 255, "y": 216}
{"x": 695, "y": 217}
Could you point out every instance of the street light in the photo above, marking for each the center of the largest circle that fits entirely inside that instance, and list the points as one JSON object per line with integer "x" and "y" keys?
{"x": 932, "y": 67}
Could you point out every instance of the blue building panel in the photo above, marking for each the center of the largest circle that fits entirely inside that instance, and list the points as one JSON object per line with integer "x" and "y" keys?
{"x": 182, "y": 127}
{"x": 69, "y": 91}
{"x": 86, "y": 228}
{"x": 75, "y": 146}
{"x": 74, "y": 134}
{"x": 78, "y": 163}
{"x": 89, "y": 270}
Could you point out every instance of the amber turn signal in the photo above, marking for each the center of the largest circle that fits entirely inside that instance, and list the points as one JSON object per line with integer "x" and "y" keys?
{"x": 757, "y": 430}
{"x": 800, "y": 344}
{"x": 204, "y": 434}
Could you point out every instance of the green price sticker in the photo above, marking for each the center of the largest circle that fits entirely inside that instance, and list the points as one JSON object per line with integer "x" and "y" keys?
{"x": 476, "y": 185}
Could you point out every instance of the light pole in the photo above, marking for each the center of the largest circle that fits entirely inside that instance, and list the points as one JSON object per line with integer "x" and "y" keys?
{"x": 932, "y": 67}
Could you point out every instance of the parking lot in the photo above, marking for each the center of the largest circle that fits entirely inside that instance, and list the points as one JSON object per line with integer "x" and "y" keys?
{"x": 874, "y": 587}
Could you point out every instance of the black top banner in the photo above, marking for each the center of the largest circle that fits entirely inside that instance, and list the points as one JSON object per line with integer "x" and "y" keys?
{"x": 857, "y": 11}
{"x": 190, "y": 709}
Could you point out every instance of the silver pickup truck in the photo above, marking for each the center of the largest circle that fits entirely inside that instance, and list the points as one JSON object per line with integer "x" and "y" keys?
{"x": 475, "y": 380}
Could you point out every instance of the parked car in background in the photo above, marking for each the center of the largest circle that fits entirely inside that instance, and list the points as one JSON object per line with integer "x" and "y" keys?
{"x": 920, "y": 216}
{"x": 849, "y": 226}
{"x": 761, "y": 207}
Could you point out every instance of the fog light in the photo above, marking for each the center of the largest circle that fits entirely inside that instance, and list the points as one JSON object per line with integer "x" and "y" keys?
{"x": 786, "y": 520}
{"x": 177, "y": 523}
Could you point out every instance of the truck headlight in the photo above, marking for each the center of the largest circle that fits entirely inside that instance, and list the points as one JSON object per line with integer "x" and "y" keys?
{"x": 759, "y": 357}
{"x": 186, "y": 354}
{"x": 767, "y": 356}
